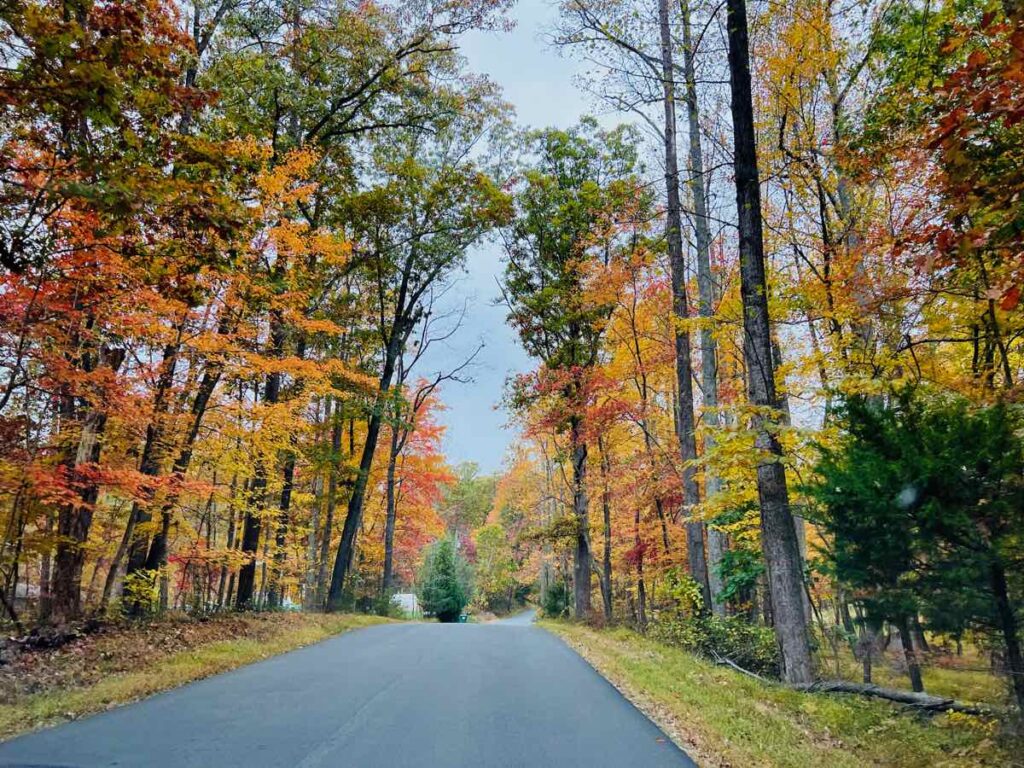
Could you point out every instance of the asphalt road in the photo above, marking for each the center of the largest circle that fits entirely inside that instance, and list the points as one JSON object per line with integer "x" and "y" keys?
{"x": 476, "y": 695}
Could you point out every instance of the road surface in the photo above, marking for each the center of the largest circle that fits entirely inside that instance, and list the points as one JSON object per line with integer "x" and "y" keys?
{"x": 393, "y": 696}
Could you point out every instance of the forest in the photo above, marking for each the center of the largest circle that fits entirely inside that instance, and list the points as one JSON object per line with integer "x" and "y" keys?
{"x": 770, "y": 292}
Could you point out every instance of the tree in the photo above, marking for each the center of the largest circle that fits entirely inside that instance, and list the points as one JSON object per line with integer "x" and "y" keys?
{"x": 576, "y": 199}
{"x": 923, "y": 499}
{"x": 412, "y": 231}
{"x": 778, "y": 534}
{"x": 495, "y": 568}
{"x": 443, "y": 583}
{"x": 467, "y": 501}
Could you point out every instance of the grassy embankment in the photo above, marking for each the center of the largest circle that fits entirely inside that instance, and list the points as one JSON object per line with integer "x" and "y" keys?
{"x": 723, "y": 718}
{"x": 123, "y": 663}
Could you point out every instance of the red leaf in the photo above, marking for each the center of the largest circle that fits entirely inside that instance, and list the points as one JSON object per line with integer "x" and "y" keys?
{"x": 1011, "y": 298}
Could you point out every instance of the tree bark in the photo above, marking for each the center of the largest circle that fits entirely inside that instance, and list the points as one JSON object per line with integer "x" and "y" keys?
{"x": 149, "y": 465}
{"x": 1011, "y": 635}
{"x": 332, "y": 495}
{"x": 917, "y": 700}
{"x": 778, "y": 534}
{"x": 606, "y": 514}
{"x": 717, "y": 543}
{"x": 580, "y": 506}
{"x": 681, "y": 312}
{"x": 253, "y": 525}
{"x": 73, "y": 523}
{"x": 913, "y": 667}
{"x": 354, "y": 514}
{"x": 392, "y": 511}
{"x": 74, "y": 519}
{"x": 275, "y": 594}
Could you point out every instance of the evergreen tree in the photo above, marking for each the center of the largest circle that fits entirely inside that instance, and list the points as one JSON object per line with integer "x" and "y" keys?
{"x": 925, "y": 501}
{"x": 444, "y": 587}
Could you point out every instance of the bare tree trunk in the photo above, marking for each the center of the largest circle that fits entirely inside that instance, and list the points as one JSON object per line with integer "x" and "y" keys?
{"x": 275, "y": 594}
{"x": 778, "y": 534}
{"x": 149, "y": 465}
{"x": 229, "y": 544}
{"x": 641, "y": 588}
{"x": 309, "y": 596}
{"x": 73, "y": 522}
{"x": 45, "y": 566}
{"x": 681, "y": 311}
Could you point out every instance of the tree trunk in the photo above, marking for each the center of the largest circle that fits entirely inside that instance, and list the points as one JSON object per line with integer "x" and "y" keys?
{"x": 74, "y": 519}
{"x": 717, "y": 542}
{"x": 392, "y": 512}
{"x": 309, "y": 591}
{"x": 332, "y": 495}
{"x": 229, "y": 544}
{"x": 275, "y": 594}
{"x": 149, "y": 465}
{"x": 913, "y": 667}
{"x": 1008, "y": 625}
{"x": 46, "y": 566}
{"x": 681, "y": 311}
{"x": 354, "y": 514}
{"x": 73, "y": 522}
{"x": 580, "y": 506}
{"x": 778, "y": 534}
{"x": 155, "y": 556}
{"x": 253, "y": 525}
{"x": 606, "y": 514}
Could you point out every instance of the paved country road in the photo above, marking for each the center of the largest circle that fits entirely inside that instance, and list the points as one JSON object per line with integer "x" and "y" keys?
{"x": 393, "y": 696}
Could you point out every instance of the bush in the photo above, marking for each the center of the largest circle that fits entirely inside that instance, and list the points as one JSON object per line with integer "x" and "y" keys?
{"x": 747, "y": 645}
{"x": 556, "y": 601}
{"x": 443, "y": 584}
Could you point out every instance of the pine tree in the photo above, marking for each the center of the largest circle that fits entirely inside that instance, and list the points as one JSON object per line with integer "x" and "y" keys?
{"x": 443, "y": 587}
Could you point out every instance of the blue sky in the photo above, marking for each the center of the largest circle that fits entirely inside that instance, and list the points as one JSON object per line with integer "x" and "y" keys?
{"x": 538, "y": 81}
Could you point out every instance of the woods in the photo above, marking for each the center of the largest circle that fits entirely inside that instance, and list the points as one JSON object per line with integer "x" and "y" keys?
{"x": 769, "y": 294}
{"x": 226, "y": 227}
{"x": 751, "y": 479}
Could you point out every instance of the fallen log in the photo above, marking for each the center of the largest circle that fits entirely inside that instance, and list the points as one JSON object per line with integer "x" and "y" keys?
{"x": 923, "y": 701}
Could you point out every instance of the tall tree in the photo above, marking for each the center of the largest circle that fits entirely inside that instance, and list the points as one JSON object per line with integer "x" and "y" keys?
{"x": 575, "y": 200}
{"x": 412, "y": 232}
{"x": 778, "y": 534}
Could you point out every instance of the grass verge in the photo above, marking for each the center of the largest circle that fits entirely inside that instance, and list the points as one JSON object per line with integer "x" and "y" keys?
{"x": 250, "y": 638}
{"x": 723, "y": 718}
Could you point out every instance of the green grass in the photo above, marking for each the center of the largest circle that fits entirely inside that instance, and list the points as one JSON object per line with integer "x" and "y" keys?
{"x": 50, "y": 707}
{"x": 723, "y": 718}
{"x": 971, "y": 684}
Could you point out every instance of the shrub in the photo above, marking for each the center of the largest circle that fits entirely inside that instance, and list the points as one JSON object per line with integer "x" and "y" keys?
{"x": 556, "y": 601}
{"x": 747, "y": 645}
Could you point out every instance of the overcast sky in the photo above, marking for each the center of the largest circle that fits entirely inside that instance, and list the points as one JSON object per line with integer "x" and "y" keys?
{"x": 539, "y": 83}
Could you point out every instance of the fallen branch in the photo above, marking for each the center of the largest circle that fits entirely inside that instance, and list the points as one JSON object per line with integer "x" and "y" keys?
{"x": 922, "y": 701}
{"x": 727, "y": 662}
